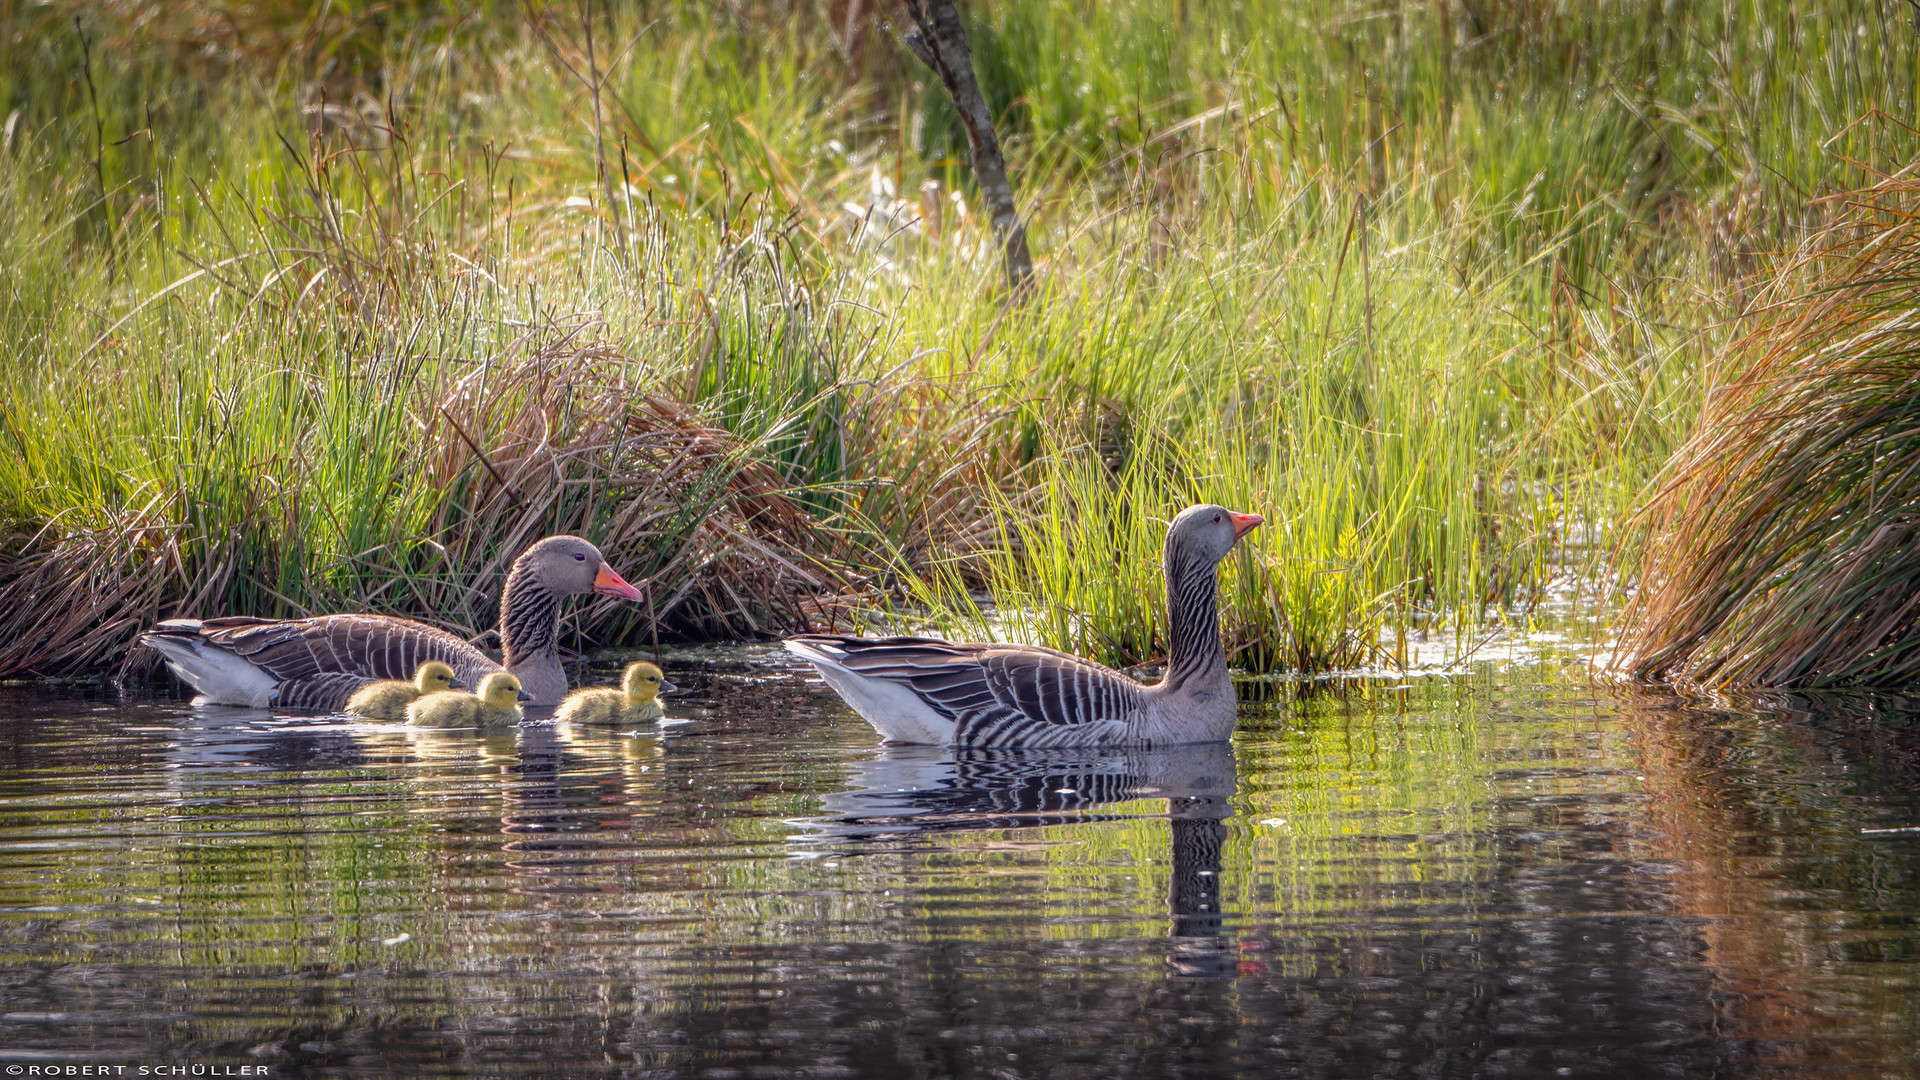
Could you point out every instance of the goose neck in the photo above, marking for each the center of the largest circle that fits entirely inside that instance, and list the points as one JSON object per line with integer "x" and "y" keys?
{"x": 529, "y": 620}
{"x": 1195, "y": 657}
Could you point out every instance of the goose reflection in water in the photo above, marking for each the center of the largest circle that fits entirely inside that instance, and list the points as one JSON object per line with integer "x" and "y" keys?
{"x": 910, "y": 792}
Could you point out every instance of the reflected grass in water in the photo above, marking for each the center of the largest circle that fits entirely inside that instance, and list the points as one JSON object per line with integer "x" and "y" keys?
{"x": 1458, "y": 877}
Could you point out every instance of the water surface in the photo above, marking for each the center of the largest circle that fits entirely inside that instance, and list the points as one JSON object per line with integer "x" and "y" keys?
{"x": 1467, "y": 877}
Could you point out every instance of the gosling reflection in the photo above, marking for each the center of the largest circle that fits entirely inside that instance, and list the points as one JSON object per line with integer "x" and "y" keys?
{"x": 569, "y": 802}
{"x": 910, "y": 792}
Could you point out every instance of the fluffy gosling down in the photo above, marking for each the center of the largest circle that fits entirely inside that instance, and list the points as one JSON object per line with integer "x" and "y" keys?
{"x": 636, "y": 702}
{"x": 497, "y": 704}
{"x": 388, "y": 699}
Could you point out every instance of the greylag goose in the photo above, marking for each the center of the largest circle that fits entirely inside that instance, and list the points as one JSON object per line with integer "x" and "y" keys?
{"x": 945, "y": 693}
{"x": 318, "y": 663}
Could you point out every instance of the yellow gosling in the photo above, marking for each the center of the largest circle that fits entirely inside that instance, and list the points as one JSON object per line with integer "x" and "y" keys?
{"x": 636, "y": 702}
{"x": 496, "y": 705}
{"x": 389, "y": 698}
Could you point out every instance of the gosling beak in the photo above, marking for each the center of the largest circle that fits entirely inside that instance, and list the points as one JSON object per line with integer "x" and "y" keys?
{"x": 456, "y": 684}
{"x": 667, "y": 687}
{"x": 525, "y": 697}
{"x": 608, "y": 583}
{"x": 1245, "y": 523}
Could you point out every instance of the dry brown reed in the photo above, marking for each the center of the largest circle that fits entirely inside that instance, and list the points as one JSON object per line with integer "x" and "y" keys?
{"x": 1782, "y": 552}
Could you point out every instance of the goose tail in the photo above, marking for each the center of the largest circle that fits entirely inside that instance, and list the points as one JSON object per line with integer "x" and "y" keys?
{"x": 895, "y": 711}
{"x": 220, "y": 676}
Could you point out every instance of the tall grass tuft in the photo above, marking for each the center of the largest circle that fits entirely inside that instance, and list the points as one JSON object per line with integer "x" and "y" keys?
{"x": 1367, "y": 406}
{"x": 347, "y": 394}
{"x": 308, "y": 310}
{"x": 1783, "y": 551}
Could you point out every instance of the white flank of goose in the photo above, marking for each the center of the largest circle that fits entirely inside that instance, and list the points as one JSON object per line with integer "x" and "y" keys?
{"x": 946, "y": 693}
{"x": 318, "y": 663}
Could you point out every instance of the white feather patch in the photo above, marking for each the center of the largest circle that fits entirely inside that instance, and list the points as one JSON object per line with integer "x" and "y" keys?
{"x": 221, "y": 677}
{"x": 895, "y": 711}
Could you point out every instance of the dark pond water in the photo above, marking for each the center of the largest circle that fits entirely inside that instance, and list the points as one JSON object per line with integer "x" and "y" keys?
{"x": 1451, "y": 879}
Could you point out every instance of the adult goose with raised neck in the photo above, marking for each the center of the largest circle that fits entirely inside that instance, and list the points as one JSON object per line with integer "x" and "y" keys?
{"x": 318, "y": 663}
{"x": 946, "y": 693}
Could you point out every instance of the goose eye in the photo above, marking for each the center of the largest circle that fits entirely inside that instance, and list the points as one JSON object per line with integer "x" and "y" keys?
{"x": 1216, "y": 517}
{"x": 581, "y": 556}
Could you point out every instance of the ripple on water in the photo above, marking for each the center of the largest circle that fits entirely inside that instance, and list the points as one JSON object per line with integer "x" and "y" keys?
{"x": 1451, "y": 880}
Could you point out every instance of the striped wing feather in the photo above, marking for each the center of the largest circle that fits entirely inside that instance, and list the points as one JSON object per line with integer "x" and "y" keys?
{"x": 1054, "y": 690}
{"x": 326, "y": 691}
{"x": 321, "y": 661}
{"x": 993, "y": 693}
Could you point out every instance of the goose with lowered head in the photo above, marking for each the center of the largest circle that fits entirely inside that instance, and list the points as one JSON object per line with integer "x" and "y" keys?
{"x": 946, "y": 693}
{"x": 319, "y": 663}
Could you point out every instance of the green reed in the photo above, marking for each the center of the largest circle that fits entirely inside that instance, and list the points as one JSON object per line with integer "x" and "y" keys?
{"x": 350, "y": 311}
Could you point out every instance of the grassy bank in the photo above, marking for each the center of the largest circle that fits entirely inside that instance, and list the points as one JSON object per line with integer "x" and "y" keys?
{"x": 308, "y": 313}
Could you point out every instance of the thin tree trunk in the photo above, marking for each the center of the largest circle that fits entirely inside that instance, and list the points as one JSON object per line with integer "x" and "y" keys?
{"x": 940, "y": 42}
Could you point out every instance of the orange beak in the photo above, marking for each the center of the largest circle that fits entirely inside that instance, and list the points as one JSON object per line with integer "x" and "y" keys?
{"x": 608, "y": 583}
{"x": 1245, "y": 523}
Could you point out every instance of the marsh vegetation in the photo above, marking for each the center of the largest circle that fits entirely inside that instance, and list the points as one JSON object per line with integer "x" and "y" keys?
{"x": 312, "y": 311}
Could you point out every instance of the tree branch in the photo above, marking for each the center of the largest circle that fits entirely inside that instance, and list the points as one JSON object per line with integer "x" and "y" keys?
{"x": 940, "y": 42}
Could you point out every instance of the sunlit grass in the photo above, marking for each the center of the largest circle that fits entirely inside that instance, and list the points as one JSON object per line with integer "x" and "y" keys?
{"x": 351, "y": 322}
{"x": 1420, "y": 460}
